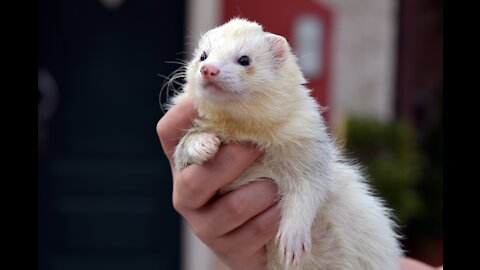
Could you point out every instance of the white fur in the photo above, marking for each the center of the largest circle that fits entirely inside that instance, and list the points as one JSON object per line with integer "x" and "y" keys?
{"x": 197, "y": 148}
{"x": 330, "y": 219}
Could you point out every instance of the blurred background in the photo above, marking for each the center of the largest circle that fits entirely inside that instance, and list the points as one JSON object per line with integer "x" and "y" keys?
{"x": 104, "y": 185}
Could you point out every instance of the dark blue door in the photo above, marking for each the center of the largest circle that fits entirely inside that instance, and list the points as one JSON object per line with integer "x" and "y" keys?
{"x": 104, "y": 184}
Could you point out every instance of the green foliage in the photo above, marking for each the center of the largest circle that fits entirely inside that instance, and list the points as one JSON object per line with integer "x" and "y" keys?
{"x": 391, "y": 158}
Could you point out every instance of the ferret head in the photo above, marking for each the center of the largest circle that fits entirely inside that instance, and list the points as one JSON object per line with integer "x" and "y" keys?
{"x": 238, "y": 62}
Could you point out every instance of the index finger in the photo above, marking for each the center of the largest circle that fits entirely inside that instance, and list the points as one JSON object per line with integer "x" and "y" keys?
{"x": 173, "y": 125}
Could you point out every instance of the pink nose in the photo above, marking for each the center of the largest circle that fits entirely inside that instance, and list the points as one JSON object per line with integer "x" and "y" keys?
{"x": 209, "y": 71}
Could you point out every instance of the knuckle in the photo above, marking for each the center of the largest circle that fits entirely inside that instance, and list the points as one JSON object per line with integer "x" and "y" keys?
{"x": 189, "y": 189}
{"x": 225, "y": 247}
{"x": 260, "y": 227}
{"x": 187, "y": 184}
{"x": 177, "y": 202}
{"x": 232, "y": 250}
{"x": 218, "y": 245}
{"x": 236, "y": 204}
{"x": 204, "y": 232}
{"x": 161, "y": 129}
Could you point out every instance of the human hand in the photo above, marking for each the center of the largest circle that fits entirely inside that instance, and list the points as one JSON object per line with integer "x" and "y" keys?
{"x": 235, "y": 226}
{"x": 413, "y": 264}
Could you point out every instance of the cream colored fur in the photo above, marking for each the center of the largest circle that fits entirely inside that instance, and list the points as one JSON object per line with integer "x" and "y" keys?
{"x": 330, "y": 219}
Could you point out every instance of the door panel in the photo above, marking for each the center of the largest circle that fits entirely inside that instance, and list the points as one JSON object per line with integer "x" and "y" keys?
{"x": 104, "y": 183}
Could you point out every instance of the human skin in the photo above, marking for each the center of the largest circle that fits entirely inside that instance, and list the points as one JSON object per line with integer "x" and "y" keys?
{"x": 237, "y": 225}
{"x": 412, "y": 264}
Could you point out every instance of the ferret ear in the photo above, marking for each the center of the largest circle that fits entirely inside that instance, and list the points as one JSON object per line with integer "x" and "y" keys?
{"x": 278, "y": 46}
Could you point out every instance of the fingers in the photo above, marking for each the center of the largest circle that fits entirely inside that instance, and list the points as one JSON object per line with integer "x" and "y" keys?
{"x": 195, "y": 185}
{"x": 252, "y": 236}
{"x": 173, "y": 125}
{"x": 235, "y": 208}
{"x": 255, "y": 222}
{"x": 413, "y": 264}
{"x": 243, "y": 217}
{"x": 255, "y": 261}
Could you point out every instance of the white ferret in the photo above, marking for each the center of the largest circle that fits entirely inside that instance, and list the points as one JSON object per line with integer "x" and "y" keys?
{"x": 247, "y": 86}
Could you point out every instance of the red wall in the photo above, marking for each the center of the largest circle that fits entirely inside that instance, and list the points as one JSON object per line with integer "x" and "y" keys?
{"x": 277, "y": 16}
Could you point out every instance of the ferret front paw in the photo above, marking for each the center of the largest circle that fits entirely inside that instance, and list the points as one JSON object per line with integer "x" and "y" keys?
{"x": 294, "y": 244}
{"x": 196, "y": 148}
{"x": 202, "y": 147}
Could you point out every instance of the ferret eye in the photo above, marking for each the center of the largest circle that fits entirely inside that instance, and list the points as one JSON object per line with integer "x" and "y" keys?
{"x": 204, "y": 56}
{"x": 244, "y": 60}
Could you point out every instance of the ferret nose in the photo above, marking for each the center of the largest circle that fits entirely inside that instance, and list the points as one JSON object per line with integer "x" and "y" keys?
{"x": 209, "y": 71}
